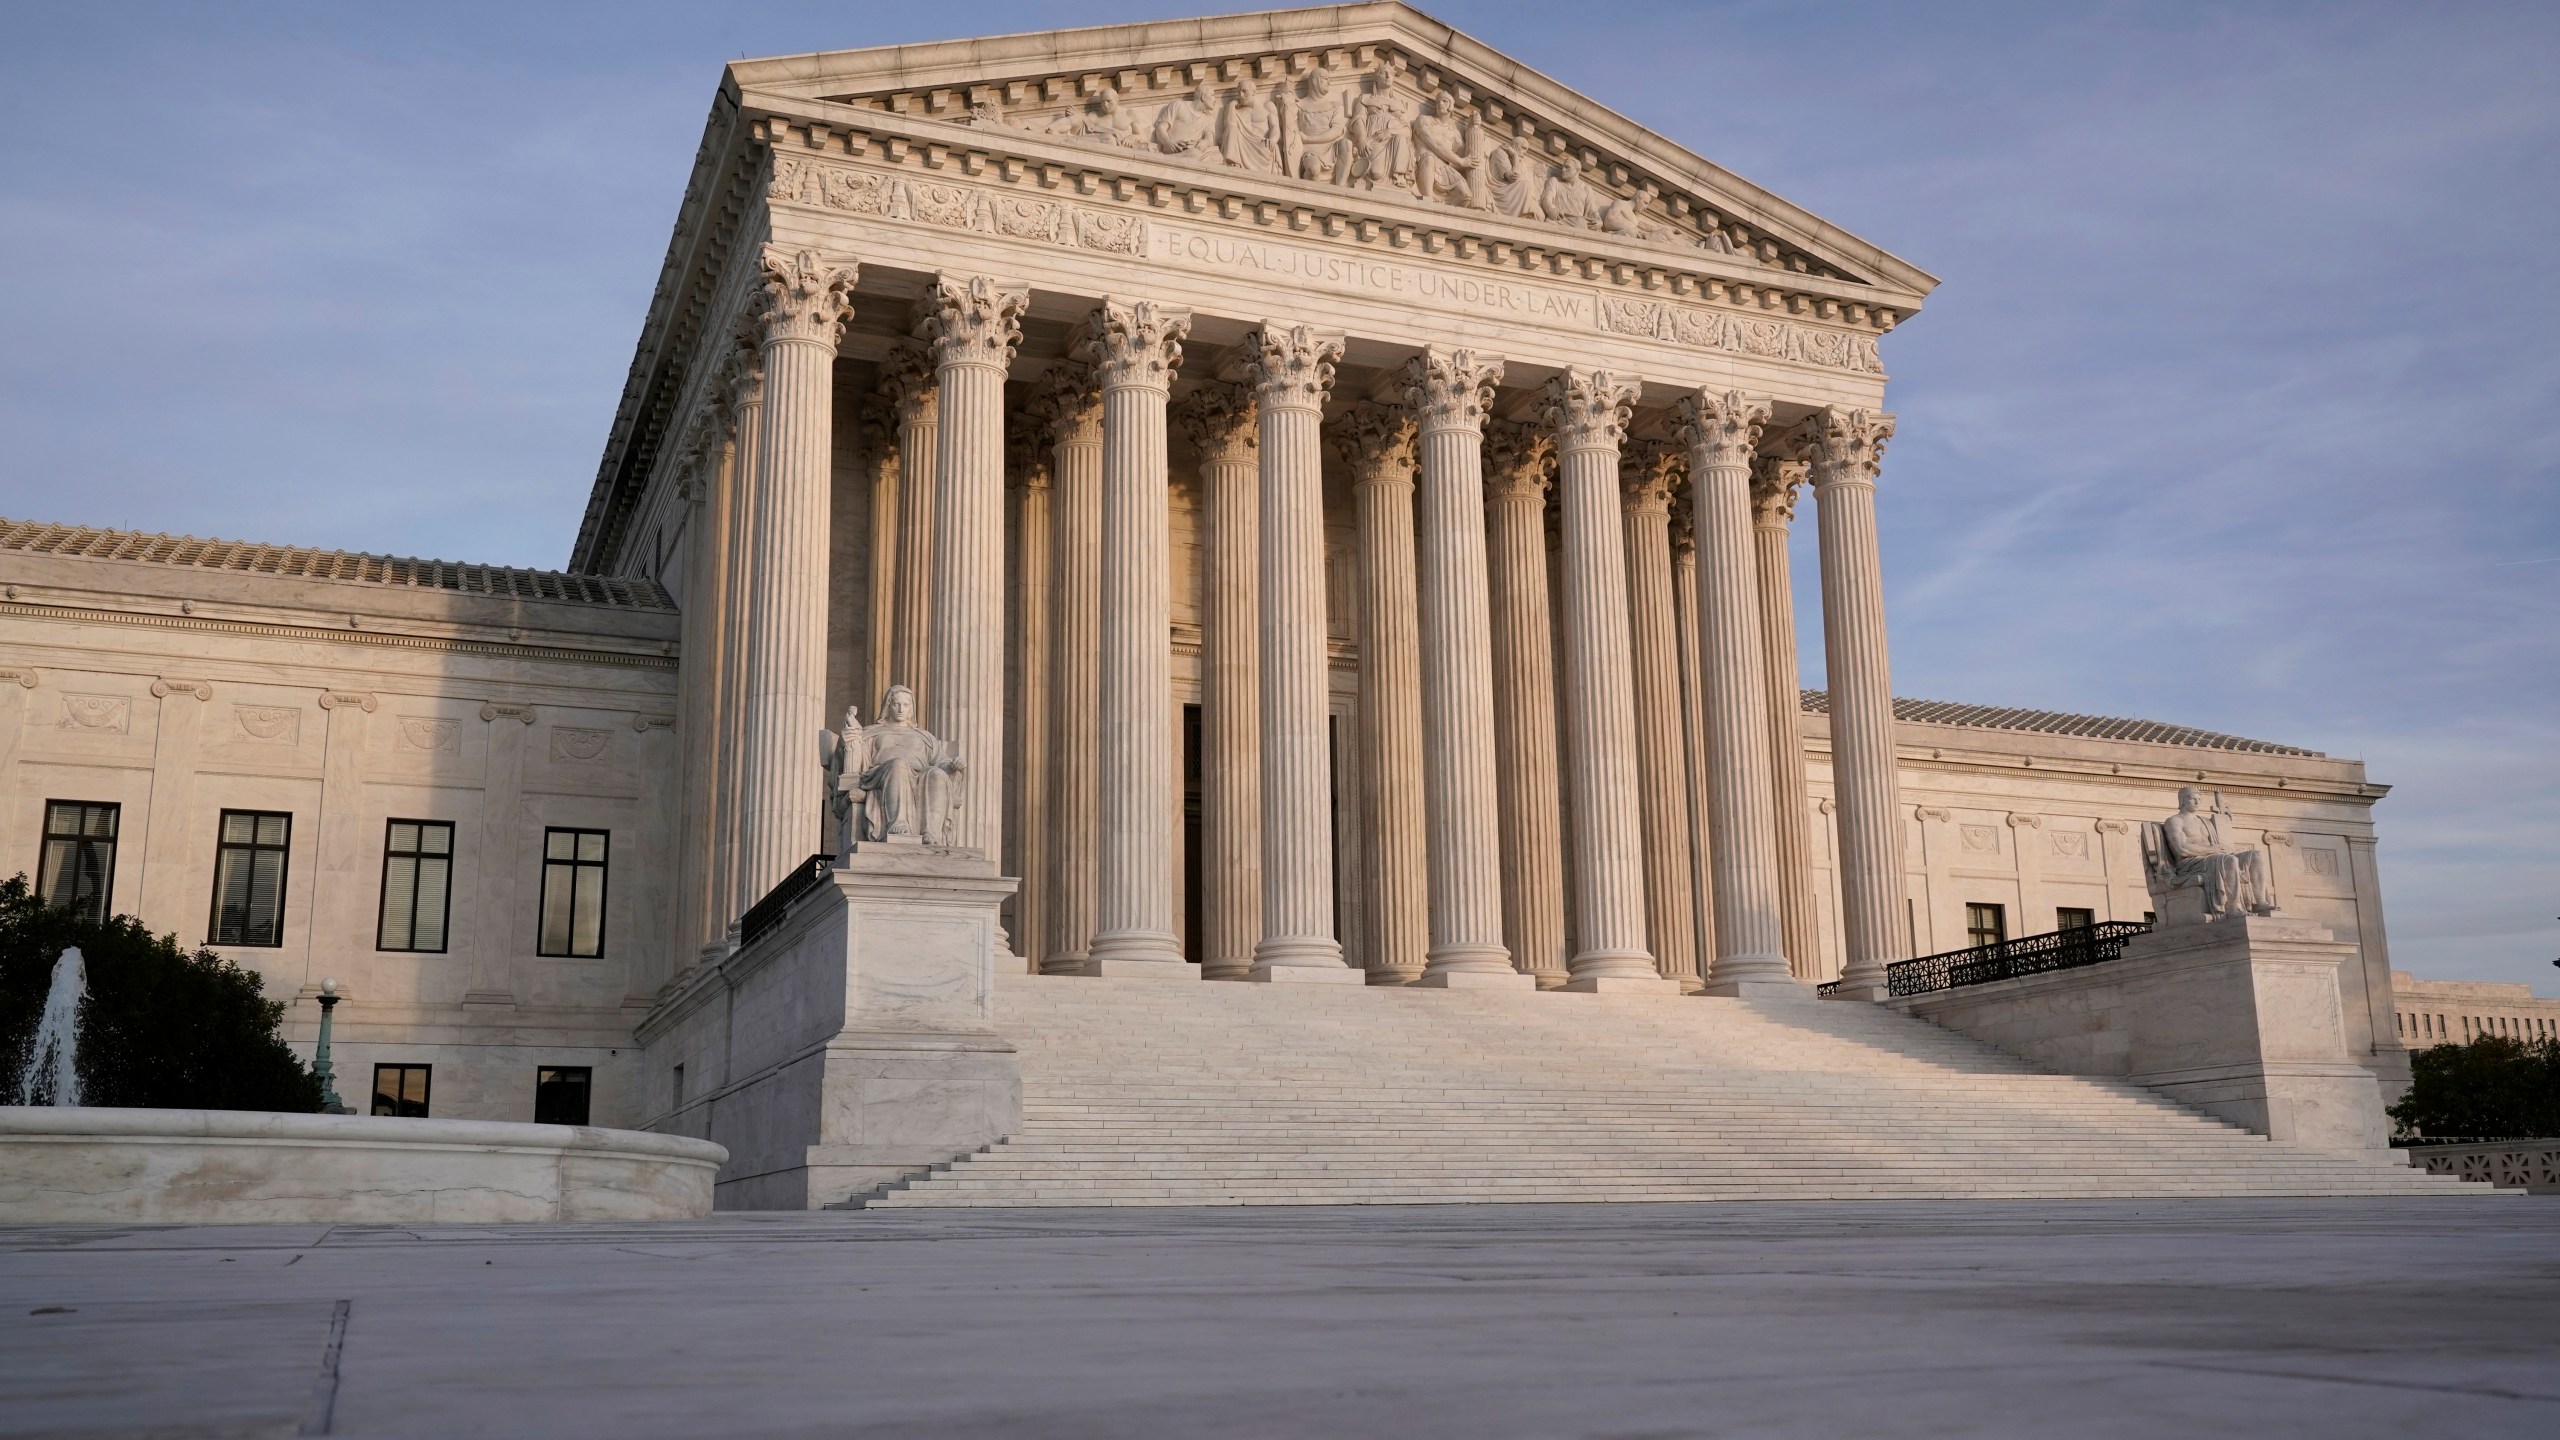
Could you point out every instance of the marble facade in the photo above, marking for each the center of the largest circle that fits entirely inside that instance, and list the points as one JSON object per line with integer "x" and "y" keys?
{"x": 1433, "y": 430}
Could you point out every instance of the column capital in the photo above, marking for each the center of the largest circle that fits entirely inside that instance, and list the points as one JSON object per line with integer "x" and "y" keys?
{"x": 1722, "y": 427}
{"x": 973, "y": 320}
{"x": 739, "y": 380}
{"x": 804, "y": 296}
{"x": 1774, "y": 480}
{"x": 1450, "y": 389}
{"x": 1375, "y": 441}
{"x": 1027, "y": 452}
{"x": 1842, "y": 445}
{"x": 907, "y": 383}
{"x": 1134, "y": 342}
{"x": 1684, "y": 533}
{"x": 1648, "y": 471}
{"x": 1221, "y": 423}
{"x": 1067, "y": 404}
{"x": 1291, "y": 366}
{"x": 1519, "y": 461}
{"x": 1589, "y": 409}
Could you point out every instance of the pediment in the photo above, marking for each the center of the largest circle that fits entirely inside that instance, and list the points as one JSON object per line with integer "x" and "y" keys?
{"x": 1375, "y": 104}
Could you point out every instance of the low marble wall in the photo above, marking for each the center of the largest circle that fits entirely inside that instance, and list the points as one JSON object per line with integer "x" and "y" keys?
{"x": 237, "y": 1167}
{"x": 2240, "y": 1018}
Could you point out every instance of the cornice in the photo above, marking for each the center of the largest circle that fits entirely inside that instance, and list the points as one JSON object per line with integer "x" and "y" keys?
{"x": 88, "y": 615}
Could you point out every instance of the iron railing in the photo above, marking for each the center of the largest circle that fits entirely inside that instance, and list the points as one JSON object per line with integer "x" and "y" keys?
{"x": 768, "y": 912}
{"x": 2027, "y": 955}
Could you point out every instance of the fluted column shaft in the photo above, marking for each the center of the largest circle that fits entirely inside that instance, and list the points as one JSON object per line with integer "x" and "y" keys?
{"x": 708, "y": 493}
{"x": 1589, "y": 412}
{"x": 1845, "y": 448}
{"x": 1671, "y": 914}
{"x": 973, "y": 325}
{"x": 1073, "y": 405}
{"x": 1135, "y": 347}
{"x": 880, "y": 431}
{"x": 1693, "y": 723}
{"x": 1291, "y": 368}
{"x": 1449, "y": 392}
{"x": 737, "y": 623}
{"x": 1722, "y": 430}
{"x": 1035, "y": 842}
{"x": 1223, "y": 429}
{"x": 1376, "y": 442}
{"x": 1773, "y": 504}
{"x": 1524, "y": 701}
{"x": 907, "y": 379}
{"x": 802, "y": 310}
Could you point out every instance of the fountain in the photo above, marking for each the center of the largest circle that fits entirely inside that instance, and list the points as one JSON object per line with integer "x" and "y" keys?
{"x": 57, "y": 1037}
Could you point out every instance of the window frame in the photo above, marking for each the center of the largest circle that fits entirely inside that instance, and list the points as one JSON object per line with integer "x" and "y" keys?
{"x": 603, "y": 866}
{"x": 586, "y": 1081}
{"x": 426, "y": 1090}
{"x": 81, "y": 839}
{"x": 2088, "y": 917}
{"x": 382, "y": 901}
{"x": 1999, "y": 915}
{"x": 284, "y": 875}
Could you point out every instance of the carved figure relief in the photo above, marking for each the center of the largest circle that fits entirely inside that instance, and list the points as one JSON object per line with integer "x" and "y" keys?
{"x": 954, "y": 206}
{"x": 97, "y": 714}
{"x": 581, "y": 747}
{"x": 420, "y": 732}
{"x": 1740, "y": 334}
{"x": 273, "y": 724}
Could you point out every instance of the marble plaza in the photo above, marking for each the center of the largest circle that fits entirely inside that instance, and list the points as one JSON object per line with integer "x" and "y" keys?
{"x": 1298, "y": 500}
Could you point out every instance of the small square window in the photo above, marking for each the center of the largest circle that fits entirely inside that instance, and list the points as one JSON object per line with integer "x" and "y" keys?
{"x": 560, "y": 1094}
{"x": 401, "y": 1090}
{"x": 2073, "y": 917}
{"x": 1986, "y": 924}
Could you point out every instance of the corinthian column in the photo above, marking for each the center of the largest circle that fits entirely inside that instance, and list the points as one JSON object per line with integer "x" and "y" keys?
{"x": 1519, "y": 470}
{"x": 906, "y": 381}
{"x": 972, "y": 325}
{"x": 1448, "y": 392}
{"x": 800, "y": 312}
{"x": 1028, "y": 456}
{"x": 708, "y": 495}
{"x": 1376, "y": 444}
{"x": 1773, "y": 508}
{"x": 1219, "y": 418}
{"x": 1646, "y": 472}
{"x": 1291, "y": 368}
{"x": 1070, "y": 403}
{"x": 742, "y": 386}
{"x": 1134, "y": 347}
{"x": 1589, "y": 410}
{"x": 1845, "y": 448}
{"x": 1722, "y": 430}
{"x": 1693, "y": 717}
{"x": 880, "y": 456}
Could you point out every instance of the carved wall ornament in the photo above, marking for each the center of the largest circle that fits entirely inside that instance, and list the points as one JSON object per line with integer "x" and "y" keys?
{"x": 97, "y": 714}
{"x": 2113, "y": 827}
{"x": 1589, "y": 408}
{"x": 506, "y": 709}
{"x": 2280, "y": 837}
{"x": 164, "y": 687}
{"x": 332, "y": 699}
{"x": 2025, "y": 821}
{"x": 951, "y": 205}
{"x": 580, "y": 746}
{"x": 2071, "y": 844}
{"x": 1291, "y": 366}
{"x": 1220, "y": 421}
{"x": 803, "y": 296}
{"x": 1134, "y": 342}
{"x": 1933, "y": 812}
{"x": 1981, "y": 839}
{"x": 272, "y": 724}
{"x": 1450, "y": 389}
{"x": 1842, "y": 445}
{"x": 1827, "y": 805}
{"x": 1376, "y": 442}
{"x": 972, "y": 319}
{"x": 1721, "y": 428}
{"x": 1757, "y": 336}
{"x": 643, "y": 724}
{"x": 25, "y": 675}
{"x": 2319, "y": 860}
{"x": 429, "y": 733}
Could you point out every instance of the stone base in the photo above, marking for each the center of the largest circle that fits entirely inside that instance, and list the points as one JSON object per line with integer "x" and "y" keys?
{"x": 1139, "y": 969}
{"x": 1757, "y": 988}
{"x": 1309, "y": 975}
{"x": 1477, "y": 980}
{"x": 1622, "y": 985}
{"x": 1871, "y": 994}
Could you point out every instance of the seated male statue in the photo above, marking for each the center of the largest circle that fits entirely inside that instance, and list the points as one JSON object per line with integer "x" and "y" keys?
{"x": 2200, "y": 847}
{"x": 894, "y": 782}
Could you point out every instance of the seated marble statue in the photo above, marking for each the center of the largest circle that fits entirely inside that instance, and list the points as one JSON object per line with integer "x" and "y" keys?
{"x": 894, "y": 782}
{"x": 2199, "y": 847}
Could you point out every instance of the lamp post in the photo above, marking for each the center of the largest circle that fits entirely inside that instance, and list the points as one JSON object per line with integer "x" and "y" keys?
{"x": 330, "y": 1104}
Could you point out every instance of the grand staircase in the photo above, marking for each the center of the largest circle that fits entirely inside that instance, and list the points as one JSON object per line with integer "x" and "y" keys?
{"x": 1140, "y": 1092}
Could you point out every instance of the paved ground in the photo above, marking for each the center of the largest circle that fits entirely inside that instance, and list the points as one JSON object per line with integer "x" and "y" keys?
{"x": 2137, "y": 1319}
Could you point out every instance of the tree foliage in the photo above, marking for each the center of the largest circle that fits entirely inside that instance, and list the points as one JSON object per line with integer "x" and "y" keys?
{"x": 2494, "y": 1088}
{"x": 161, "y": 1027}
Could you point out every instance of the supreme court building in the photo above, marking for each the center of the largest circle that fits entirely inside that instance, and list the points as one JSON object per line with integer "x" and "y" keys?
{"x": 1331, "y": 485}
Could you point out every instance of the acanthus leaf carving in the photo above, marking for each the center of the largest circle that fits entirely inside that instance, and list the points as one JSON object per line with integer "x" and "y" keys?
{"x": 1291, "y": 366}
{"x": 1450, "y": 389}
{"x": 1519, "y": 460}
{"x": 1589, "y": 409}
{"x": 1722, "y": 428}
{"x": 1648, "y": 471}
{"x": 1375, "y": 442}
{"x": 973, "y": 320}
{"x": 1774, "y": 482}
{"x": 1220, "y": 421}
{"x": 803, "y": 296}
{"x": 1842, "y": 445}
{"x": 1134, "y": 342}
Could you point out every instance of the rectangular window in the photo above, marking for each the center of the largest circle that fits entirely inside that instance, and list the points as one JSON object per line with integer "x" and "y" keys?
{"x": 78, "y": 872}
{"x": 572, "y": 893}
{"x": 1985, "y": 924}
{"x": 679, "y": 1085}
{"x": 2073, "y": 917}
{"x": 248, "y": 878}
{"x": 560, "y": 1094}
{"x": 417, "y": 886}
{"x": 401, "y": 1090}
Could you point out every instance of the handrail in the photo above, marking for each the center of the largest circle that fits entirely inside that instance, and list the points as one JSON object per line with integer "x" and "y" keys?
{"x": 768, "y": 912}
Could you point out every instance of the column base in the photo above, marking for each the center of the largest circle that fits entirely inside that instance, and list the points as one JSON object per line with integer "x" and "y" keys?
{"x": 1308, "y": 975}
{"x": 1758, "y": 987}
{"x": 1622, "y": 985}
{"x": 1476, "y": 980}
{"x": 1110, "y": 969}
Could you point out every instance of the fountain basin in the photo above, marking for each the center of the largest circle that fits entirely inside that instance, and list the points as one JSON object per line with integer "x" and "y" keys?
{"x": 83, "y": 1165}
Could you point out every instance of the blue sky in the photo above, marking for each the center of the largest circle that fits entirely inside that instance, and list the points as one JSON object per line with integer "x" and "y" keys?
{"x": 2236, "y": 408}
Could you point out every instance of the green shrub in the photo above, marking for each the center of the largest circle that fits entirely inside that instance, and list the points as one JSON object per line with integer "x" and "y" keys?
{"x": 2494, "y": 1088}
{"x": 161, "y": 1027}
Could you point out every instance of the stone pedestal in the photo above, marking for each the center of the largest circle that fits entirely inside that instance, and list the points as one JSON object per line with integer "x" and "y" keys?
{"x": 2239, "y": 1018}
{"x": 850, "y": 1044}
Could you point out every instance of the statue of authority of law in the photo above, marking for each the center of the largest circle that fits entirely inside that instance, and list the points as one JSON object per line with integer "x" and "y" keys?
{"x": 894, "y": 782}
{"x": 2200, "y": 847}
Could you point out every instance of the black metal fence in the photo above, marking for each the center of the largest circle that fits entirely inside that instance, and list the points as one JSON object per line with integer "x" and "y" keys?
{"x": 2027, "y": 955}
{"x": 768, "y": 912}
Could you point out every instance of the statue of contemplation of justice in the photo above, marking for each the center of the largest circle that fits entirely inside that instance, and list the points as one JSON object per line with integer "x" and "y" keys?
{"x": 2201, "y": 848}
{"x": 892, "y": 782}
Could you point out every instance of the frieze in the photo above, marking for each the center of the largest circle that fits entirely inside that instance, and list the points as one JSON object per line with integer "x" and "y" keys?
{"x": 956, "y": 205}
{"x": 1765, "y": 339}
